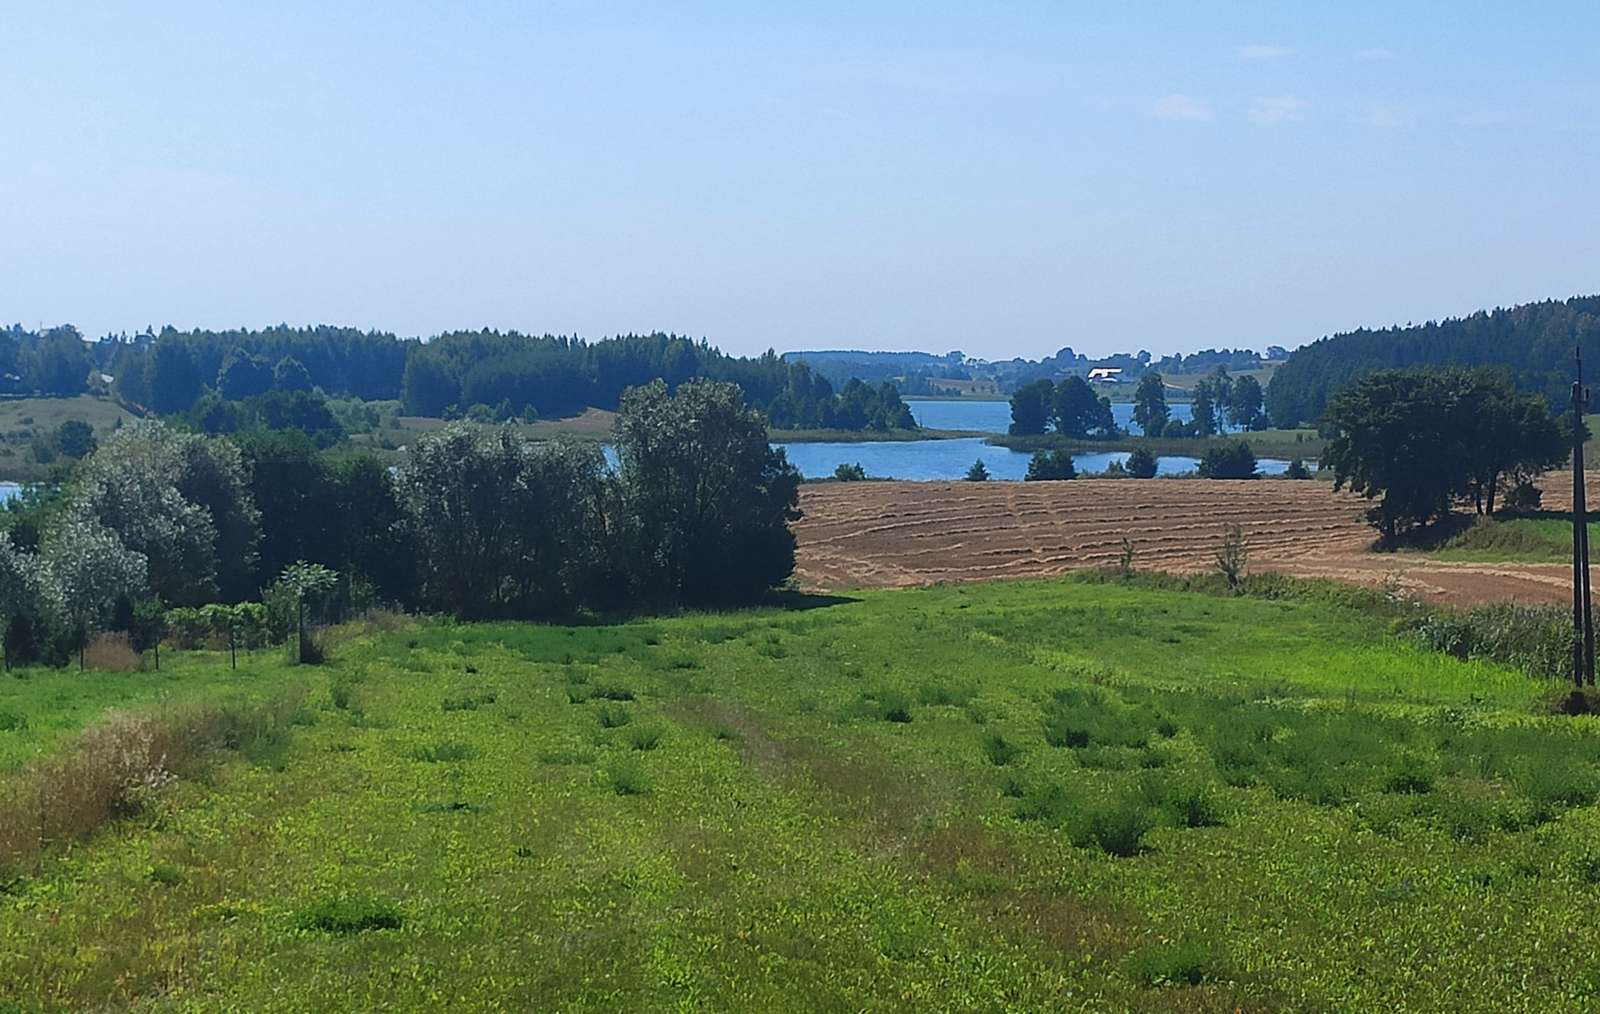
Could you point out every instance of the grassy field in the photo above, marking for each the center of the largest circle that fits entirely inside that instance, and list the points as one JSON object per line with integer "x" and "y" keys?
{"x": 1469, "y": 539}
{"x": 22, "y": 419}
{"x": 1062, "y": 795}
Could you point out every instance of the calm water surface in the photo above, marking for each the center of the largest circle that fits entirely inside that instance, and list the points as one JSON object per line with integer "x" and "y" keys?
{"x": 926, "y": 460}
{"x": 9, "y": 490}
{"x": 995, "y": 416}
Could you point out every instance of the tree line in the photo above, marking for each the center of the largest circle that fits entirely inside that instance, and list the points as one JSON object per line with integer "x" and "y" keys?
{"x": 503, "y": 375}
{"x": 1072, "y": 408}
{"x": 476, "y": 522}
{"x": 1532, "y": 344}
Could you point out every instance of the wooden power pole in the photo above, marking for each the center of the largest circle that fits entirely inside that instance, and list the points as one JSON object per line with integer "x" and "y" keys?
{"x": 1582, "y": 621}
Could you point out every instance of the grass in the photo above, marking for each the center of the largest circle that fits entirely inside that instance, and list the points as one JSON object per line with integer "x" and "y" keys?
{"x": 1544, "y": 539}
{"x": 1176, "y": 800}
{"x": 21, "y": 419}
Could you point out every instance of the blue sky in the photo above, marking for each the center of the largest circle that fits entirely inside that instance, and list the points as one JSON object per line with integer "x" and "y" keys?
{"x": 1002, "y": 178}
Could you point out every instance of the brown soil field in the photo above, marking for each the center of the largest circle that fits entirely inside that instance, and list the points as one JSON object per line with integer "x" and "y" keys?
{"x": 892, "y": 534}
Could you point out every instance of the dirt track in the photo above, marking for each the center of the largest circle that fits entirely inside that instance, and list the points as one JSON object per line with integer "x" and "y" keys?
{"x": 891, "y": 534}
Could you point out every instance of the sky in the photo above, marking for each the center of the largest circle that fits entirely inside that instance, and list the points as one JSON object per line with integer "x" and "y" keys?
{"x": 1002, "y": 178}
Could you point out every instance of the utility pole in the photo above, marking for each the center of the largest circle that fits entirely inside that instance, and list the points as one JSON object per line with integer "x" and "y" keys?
{"x": 1583, "y": 622}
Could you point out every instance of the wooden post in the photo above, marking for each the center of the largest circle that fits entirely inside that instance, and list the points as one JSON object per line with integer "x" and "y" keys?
{"x": 1582, "y": 621}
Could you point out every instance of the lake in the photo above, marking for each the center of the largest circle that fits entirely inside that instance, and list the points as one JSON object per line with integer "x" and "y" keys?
{"x": 9, "y": 490}
{"x": 995, "y": 416}
{"x": 926, "y": 460}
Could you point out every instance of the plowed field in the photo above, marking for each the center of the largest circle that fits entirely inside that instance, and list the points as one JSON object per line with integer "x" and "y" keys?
{"x": 889, "y": 534}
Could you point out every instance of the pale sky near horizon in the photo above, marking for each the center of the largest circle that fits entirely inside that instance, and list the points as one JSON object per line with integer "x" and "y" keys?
{"x": 1000, "y": 178}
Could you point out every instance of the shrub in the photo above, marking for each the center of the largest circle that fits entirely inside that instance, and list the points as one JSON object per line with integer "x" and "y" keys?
{"x": 939, "y": 695}
{"x": 1524, "y": 497}
{"x": 1191, "y": 802}
{"x": 166, "y": 876}
{"x": 1231, "y": 459}
{"x": 1188, "y": 962}
{"x": 979, "y": 472}
{"x": 1232, "y": 555}
{"x": 612, "y": 717}
{"x": 628, "y": 779}
{"x": 1297, "y": 470}
{"x": 1050, "y": 804}
{"x": 893, "y": 706}
{"x": 447, "y": 751}
{"x": 189, "y": 628}
{"x": 1117, "y": 828}
{"x": 1050, "y": 466}
{"x": 850, "y": 473}
{"x": 1141, "y": 464}
{"x": 644, "y": 737}
{"x": 1535, "y": 639}
{"x": 349, "y": 915}
{"x": 1000, "y": 750}
{"x": 13, "y": 721}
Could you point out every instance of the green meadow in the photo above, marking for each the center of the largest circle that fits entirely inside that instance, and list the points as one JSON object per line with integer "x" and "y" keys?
{"x": 1064, "y": 795}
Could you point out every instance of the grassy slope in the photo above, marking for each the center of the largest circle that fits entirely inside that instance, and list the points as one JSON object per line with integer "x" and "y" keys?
{"x": 1505, "y": 540}
{"x": 22, "y": 418}
{"x": 52, "y": 704}
{"x": 788, "y": 849}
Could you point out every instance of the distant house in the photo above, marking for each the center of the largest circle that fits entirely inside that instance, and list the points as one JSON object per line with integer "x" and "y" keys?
{"x": 1105, "y": 375}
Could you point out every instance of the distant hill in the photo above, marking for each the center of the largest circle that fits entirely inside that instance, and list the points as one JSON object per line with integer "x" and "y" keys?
{"x": 1534, "y": 342}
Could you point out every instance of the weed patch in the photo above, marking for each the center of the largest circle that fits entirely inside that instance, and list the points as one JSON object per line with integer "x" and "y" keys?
{"x": 349, "y": 915}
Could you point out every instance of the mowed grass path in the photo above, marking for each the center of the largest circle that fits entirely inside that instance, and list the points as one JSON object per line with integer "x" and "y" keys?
{"x": 1053, "y": 795}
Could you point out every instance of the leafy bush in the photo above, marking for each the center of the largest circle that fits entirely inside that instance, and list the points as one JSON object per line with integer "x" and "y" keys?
{"x": 613, "y": 717}
{"x": 1188, "y": 962}
{"x": 1050, "y": 466}
{"x": 349, "y": 915}
{"x": 628, "y": 779}
{"x": 644, "y": 737}
{"x": 1297, "y": 470}
{"x": 1231, "y": 459}
{"x": 850, "y": 473}
{"x": 1141, "y": 464}
{"x": 1118, "y": 828}
{"x": 444, "y": 752}
{"x": 942, "y": 696}
{"x": 1000, "y": 750}
{"x": 893, "y": 706}
{"x": 189, "y": 627}
{"x": 1535, "y": 639}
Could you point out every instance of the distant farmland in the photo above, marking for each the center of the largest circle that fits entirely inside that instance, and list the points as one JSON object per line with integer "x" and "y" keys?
{"x": 895, "y": 534}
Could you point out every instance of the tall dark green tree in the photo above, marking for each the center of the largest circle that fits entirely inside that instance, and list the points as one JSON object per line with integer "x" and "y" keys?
{"x": 706, "y": 500}
{"x": 1031, "y": 407}
{"x": 1078, "y": 411}
{"x": 1150, "y": 404}
{"x": 1244, "y": 404}
{"x": 1203, "y": 409}
{"x": 59, "y": 366}
{"x": 1419, "y": 440}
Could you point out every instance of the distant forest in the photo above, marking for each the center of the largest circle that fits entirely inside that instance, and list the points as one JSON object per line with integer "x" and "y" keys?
{"x": 280, "y": 371}
{"x": 1533, "y": 343}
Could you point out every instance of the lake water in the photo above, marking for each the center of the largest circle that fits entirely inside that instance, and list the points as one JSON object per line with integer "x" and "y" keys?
{"x": 995, "y": 416}
{"x": 9, "y": 490}
{"x": 926, "y": 460}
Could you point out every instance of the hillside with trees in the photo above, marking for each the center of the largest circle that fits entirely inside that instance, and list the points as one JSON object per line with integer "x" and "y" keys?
{"x": 277, "y": 378}
{"x": 1533, "y": 342}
